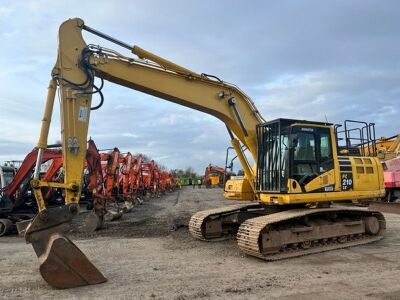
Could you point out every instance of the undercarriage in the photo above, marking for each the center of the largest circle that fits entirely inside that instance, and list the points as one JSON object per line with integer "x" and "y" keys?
{"x": 273, "y": 232}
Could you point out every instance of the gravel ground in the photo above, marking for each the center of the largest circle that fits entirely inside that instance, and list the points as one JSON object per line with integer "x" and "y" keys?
{"x": 144, "y": 259}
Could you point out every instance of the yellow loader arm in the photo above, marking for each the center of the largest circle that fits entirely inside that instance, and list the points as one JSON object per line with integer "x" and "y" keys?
{"x": 63, "y": 265}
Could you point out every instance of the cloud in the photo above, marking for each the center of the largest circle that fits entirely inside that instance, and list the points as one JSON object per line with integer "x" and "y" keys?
{"x": 5, "y": 11}
{"x": 130, "y": 135}
{"x": 335, "y": 95}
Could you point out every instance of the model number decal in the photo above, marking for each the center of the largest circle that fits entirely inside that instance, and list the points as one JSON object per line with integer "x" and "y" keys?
{"x": 347, "y": 181}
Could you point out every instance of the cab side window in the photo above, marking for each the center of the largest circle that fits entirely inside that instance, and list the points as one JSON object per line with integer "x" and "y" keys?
{"x": 325, "y": 147}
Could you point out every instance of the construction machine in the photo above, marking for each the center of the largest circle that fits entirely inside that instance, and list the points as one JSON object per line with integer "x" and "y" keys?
{"x": 16, "y": 201}
{"x": 388, "y": 151}
{"x": 150, "y": 174}
{"x": 130, "y": 181}
{"x": 103, "y": 172}
{"x": 167, "y": 182}
{"x": 136, "y": 184}
{"x": 162, "y": 182}
{"x": 7, "y": 174}
{"x": 126, "y": 164}
{"x": 298, "y": 173}
{"x": 388, "y": 148}
{"x": 214, "y": 176}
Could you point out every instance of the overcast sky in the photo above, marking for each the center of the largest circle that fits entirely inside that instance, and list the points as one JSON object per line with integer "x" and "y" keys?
{"x": 314, "y": 60}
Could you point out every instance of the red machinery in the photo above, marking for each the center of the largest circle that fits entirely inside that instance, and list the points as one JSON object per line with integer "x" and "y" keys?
{"x": 52, "y": 174}
{"x": 109, "y": 178}
{"x": 130, "y": 179}
{"x": 15, "y": 202}
{"x": 20, "y": 183}
{"x": 136, "y": 183}
{"x": 110, "y": 172}
{"x": 151, "y": 177}
{"x": 123, "y": 183}
{"x": 167, "y": 182}
{"x": 94, "y": 187}
{"x": 163, "y": 182}
{"x": 25, "y": 171}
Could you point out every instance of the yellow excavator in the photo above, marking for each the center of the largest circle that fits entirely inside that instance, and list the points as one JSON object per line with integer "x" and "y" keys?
{"x": 299, "y": 169}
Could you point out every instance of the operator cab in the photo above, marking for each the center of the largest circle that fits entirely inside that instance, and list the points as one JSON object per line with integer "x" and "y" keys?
{"x": 6, "y": 176}
{"x": 292, "y": 149}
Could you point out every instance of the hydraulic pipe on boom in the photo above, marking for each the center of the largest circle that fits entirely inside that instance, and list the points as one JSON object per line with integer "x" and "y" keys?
{"x": 297, "y": 163}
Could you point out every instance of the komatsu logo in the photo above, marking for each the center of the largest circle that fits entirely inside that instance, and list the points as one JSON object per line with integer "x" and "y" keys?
{"x": 307, "y": 129}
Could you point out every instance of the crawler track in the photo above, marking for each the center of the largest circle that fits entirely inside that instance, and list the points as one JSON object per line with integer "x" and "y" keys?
{"x": 300, "y": 232}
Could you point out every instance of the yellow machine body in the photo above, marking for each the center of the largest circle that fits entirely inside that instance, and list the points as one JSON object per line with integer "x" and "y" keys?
{"x": 351, "y": 178}
{"x": 214, "y": 179}
{"x": 364, "y": 173}
{"x": 238, "y": 189}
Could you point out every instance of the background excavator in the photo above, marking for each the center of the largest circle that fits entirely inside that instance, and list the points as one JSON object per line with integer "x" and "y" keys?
{"x": 388, "y": 151}
{"x": 214, "y": 176}
{"x": 300, "y": 168}
{"x": 16, "y": 202}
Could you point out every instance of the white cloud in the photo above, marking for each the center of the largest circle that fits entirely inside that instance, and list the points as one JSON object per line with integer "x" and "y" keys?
{"x": 130, "y": 135}
{"x": 336, "y": 95}
{"x": 5, "y": 11}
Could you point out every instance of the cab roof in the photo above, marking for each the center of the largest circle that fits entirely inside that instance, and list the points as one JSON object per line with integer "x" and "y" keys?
{"x": 288, "y": 122}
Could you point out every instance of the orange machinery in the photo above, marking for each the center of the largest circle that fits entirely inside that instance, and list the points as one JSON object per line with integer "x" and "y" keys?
{"x": 214, "y": 176}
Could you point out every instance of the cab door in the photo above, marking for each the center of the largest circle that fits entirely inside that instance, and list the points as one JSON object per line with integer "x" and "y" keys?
{"x": 311, "y": 153}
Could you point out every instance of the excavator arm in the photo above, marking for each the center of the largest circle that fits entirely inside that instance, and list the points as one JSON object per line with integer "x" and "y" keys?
{"x": 77, "y": 66}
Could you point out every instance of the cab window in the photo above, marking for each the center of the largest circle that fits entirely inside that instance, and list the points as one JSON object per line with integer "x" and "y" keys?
{"x": 305, "y": 150}
{"x": 325, "y": 147}
{"x": 312, "y": 153}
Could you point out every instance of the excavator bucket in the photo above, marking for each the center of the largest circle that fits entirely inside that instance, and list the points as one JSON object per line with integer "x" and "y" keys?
{"x": 62, "y": 264}
{"x": 93, "y": 222}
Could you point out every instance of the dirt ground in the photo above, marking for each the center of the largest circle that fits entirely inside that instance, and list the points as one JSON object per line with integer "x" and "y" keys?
{"x": 143, "y": 258}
